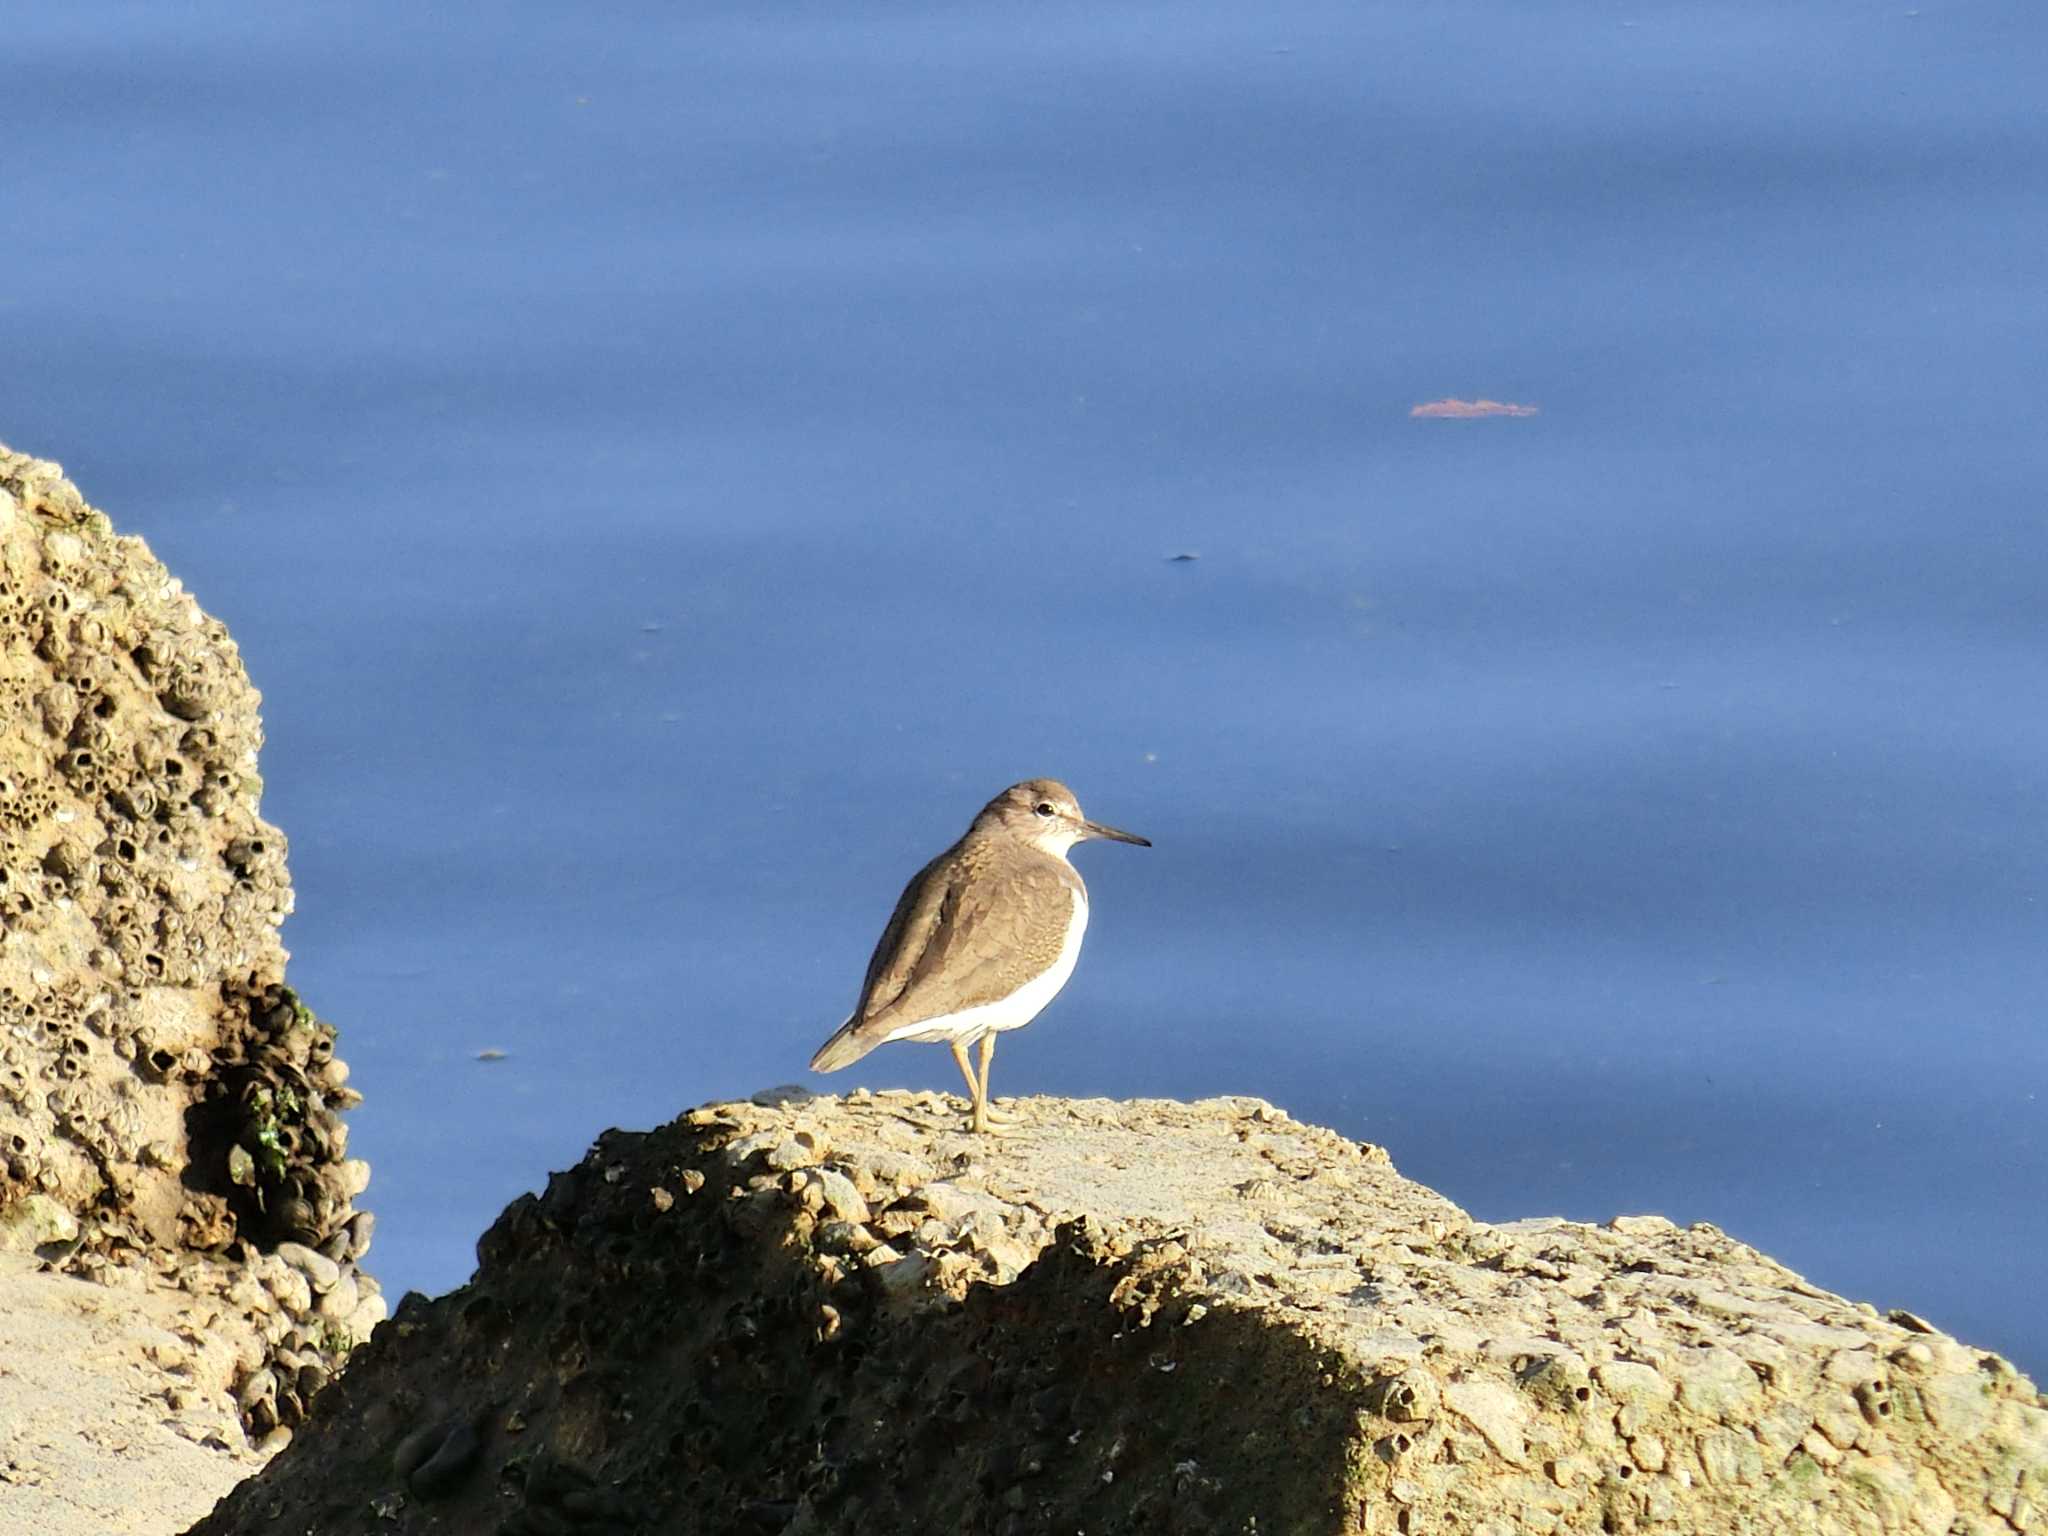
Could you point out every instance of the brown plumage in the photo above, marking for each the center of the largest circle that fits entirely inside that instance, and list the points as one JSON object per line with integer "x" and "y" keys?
{"x": 982, "y": 937}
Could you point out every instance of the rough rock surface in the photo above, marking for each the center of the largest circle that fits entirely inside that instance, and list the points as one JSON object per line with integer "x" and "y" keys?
{"x": 169, "y": 1110}
{"x": 809, "y": 1315}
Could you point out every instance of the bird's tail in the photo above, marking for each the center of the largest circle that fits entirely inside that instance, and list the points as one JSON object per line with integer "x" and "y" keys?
{"x": 844, "y": 1048}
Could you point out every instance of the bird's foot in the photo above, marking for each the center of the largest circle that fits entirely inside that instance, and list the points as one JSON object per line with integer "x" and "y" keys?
{"x": 985, "y": 1119}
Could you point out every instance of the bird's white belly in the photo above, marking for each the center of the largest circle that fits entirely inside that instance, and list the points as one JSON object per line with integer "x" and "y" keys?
{"x": 1014, "y": 1011}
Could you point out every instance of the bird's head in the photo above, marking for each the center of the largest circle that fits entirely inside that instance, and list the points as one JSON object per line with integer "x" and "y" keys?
{"x": 1044, "y": 813}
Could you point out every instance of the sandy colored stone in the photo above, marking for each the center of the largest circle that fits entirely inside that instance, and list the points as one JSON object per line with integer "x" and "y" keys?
{"x": 157, "y": 1078}
{"x": 168, "y": 1107}
{"x": 35, "y": 1221}
{"x": 1151, "y": 1351}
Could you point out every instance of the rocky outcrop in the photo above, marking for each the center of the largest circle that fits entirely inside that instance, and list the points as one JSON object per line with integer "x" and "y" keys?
{"x": 808, "y": 1316}
{"x": 169, "y": 1109}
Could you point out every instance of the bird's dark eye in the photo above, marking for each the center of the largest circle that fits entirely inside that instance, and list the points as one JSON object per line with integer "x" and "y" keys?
{"x": 1045, "y": 807}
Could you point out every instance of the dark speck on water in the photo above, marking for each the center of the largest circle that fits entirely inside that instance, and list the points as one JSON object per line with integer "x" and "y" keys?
{"x": 872, "y": 348}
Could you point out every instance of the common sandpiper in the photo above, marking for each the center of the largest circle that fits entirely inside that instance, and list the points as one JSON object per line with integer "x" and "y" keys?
{"x": 982, "y": 939}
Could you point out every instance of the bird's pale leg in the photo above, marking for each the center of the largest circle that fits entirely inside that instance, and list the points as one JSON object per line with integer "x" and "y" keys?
{"x": 988, "y": 1047}
{"x": 987, "y": 1118}
{"x": 973, "y": 1087}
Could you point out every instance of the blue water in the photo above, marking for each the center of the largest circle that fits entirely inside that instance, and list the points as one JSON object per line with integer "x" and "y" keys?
{"x": 666, "y": 466}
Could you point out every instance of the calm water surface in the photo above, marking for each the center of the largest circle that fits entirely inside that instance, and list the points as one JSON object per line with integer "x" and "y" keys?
{"x": 665, "y": 467}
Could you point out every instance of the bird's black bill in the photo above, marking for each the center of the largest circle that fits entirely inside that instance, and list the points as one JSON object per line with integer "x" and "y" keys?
{"x": 1097, "y": 829}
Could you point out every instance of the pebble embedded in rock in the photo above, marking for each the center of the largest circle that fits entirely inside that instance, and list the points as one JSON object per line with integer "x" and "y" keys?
{"x": 339, "y": 1302}
{"x": 294, "y": 1295}
{"x": 412, "y": 1451}
{"x": 34, "y": 1221}
{"x": 437, "y": 1476}
{"x": 320, "y": 1271}
{"x": 369, "y": 1312}
{"x": 790, "y": 1153}
{"x": 258, "y": 1386}
{"x": 353, "y": 1175}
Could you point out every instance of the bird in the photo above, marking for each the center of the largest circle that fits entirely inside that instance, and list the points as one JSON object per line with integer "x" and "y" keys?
{"x": 982, "y": 938}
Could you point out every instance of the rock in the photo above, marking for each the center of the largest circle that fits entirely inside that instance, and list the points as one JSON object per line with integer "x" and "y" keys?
{"x": 360, "y": 1229}
{"x": 412, "y": 1451}
{"x": 294, "y": 1294}
{"x": 34, "y": 1221}
{"x": 441, "y": 1472}
{"x": 320, "y": 1271}
{"x": 260, "y": 1385}
{"x": 338, "y": 1303}
{"x": 1717, "y": 1384}
{"x": 800, "y": 1349}
{"x": 369, "y": 1312}
{"x": 353, "y": 1176}
{"x": 165, "y": 1098}
{"x": 833, "y": 1193}
{"x": 1495, "y": 1411}
{"x": 140, "y": 893}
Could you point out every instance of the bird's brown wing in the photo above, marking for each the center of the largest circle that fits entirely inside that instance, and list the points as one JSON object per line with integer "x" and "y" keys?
{"x": 903, "y": 942}
{"x": 919, "y": 916}
{"x": 988, "y": 937}
{"x": 956, "y": 940}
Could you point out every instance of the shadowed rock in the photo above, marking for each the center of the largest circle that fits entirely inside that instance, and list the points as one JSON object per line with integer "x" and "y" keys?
{"x": 831, "y": 1315}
